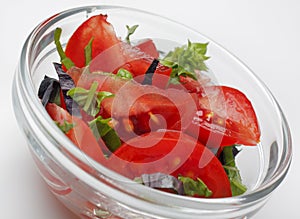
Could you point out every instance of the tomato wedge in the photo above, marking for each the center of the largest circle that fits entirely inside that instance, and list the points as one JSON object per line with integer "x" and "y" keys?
{"x": 234, "y": 123}
{"x": 148, "y": 47}
{"x": 173, "y": 153}
{"x": 225, "y": 116}
{"x": 141, "y": 108}
{"x": 109, "y": 53}
{"x": 96, "y": 28}
{"x": 133, "y": 59}
{"x": 80, "y": 134}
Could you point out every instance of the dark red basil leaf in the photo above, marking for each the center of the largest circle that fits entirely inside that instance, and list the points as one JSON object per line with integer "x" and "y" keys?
{"x": 66, "y": 83}
{"x": 149, "y": 73}
{"x": 162, "y": 181}
{"x": 49, "y": 91}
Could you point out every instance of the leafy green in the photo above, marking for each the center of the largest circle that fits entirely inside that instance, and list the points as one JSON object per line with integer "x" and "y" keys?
{"x": 186, "y": 60}
{"x": 67, "y": 83}
{"x": 88, "y": 52}
{"x": 182, "y": 185}
{"x": 49, "y": 91}
{"x": 177, "y": 71}
{"x": 101, "y": 213}
{"x": 161, "y": 181}
{"x": 65, "y": 127}
{"x": 67, "y": 62}
{"x": 195, "y": 187}
{"x": 130, "y": 31}
{"x": 150, "y": 72}
{"x": 237, "y": 187}
{"x": 90, "y": 100}
{"x": 101, "y": 128}
{"x": 123, "y": 73}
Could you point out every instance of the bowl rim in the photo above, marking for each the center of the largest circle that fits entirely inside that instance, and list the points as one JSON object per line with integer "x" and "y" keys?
{"x": 45, "y": 122}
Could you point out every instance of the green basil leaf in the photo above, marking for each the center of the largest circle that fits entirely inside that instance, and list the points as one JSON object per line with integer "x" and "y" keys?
{"x": 90, "y": 100}
{"x": 233, "y": 173}
{"x": 101, "y": 129}
{"x": 67, "y": 62}
{"x": 65, "y": 127}
{"x": 123, "y": 73}
{"x": 88, "y": 52}
{"x": 195, "y": 187}
{"x": 186, "y": 60}
{"x": 130, "y": 31}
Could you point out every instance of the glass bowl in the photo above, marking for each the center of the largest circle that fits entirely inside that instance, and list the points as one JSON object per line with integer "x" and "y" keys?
{"x": 93, "y": 191}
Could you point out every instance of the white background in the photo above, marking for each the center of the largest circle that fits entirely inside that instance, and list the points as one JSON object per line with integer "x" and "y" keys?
{"x": 265, "y": 34}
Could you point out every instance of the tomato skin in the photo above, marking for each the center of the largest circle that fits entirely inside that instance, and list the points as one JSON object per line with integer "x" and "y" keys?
{"x": 141, "y": 108}
{"x": 136, "y": 61}
{"x": 148, "y": 47}
{"x": 233, "y": 122}
{"x": 80, "y": 134}
{"x": 174, "y": 153}
{"x": 75, "y": 73}
{"x": 140, "y": 66}
{"x": 225, "y": 117}
{"x": 109, "y": 53}
{"x": 95, "y": 27}
{"x": 190, "y": 85}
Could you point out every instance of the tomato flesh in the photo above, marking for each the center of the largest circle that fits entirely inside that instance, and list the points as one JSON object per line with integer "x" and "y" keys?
{"x": 80, "y": 134}
{"x": 109, "y": 53}
{"x": 148, "y": 47}
{"x": 141, "y": 108}
{"x": 192, "y": 114}
{"x": 96, "y": 28}
{"x": 173, "y": 153}
{"x": 225, "y": 116}
{"x": 136, "y": 61}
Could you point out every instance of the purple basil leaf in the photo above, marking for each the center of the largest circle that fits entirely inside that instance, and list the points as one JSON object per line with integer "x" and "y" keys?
{"x": 162, "y": 181}
{"x": 149, "y": 73}
{"x": 49, "y": 91}
{"x": 66, "y": 83}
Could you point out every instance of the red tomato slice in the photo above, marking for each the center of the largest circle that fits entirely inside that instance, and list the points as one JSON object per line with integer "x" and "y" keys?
{"x": 80, "y": 134}
{"x": 188, "y": 84}
{"x": 97, "y": 28}
{"x": 136, "y": 61}
{"x": 138, "y": 68}
{"x": 109, "y": 53}
{"x": 148, "y": 47}
{"x": 75, "y": 73}
{"x": 172, "y": 153}
{"x": 141, "y": 108}
{"x": 225, "y": 117}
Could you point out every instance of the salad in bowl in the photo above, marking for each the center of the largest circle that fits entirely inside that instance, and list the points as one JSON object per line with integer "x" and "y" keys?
{"x": 129, "y": 122}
